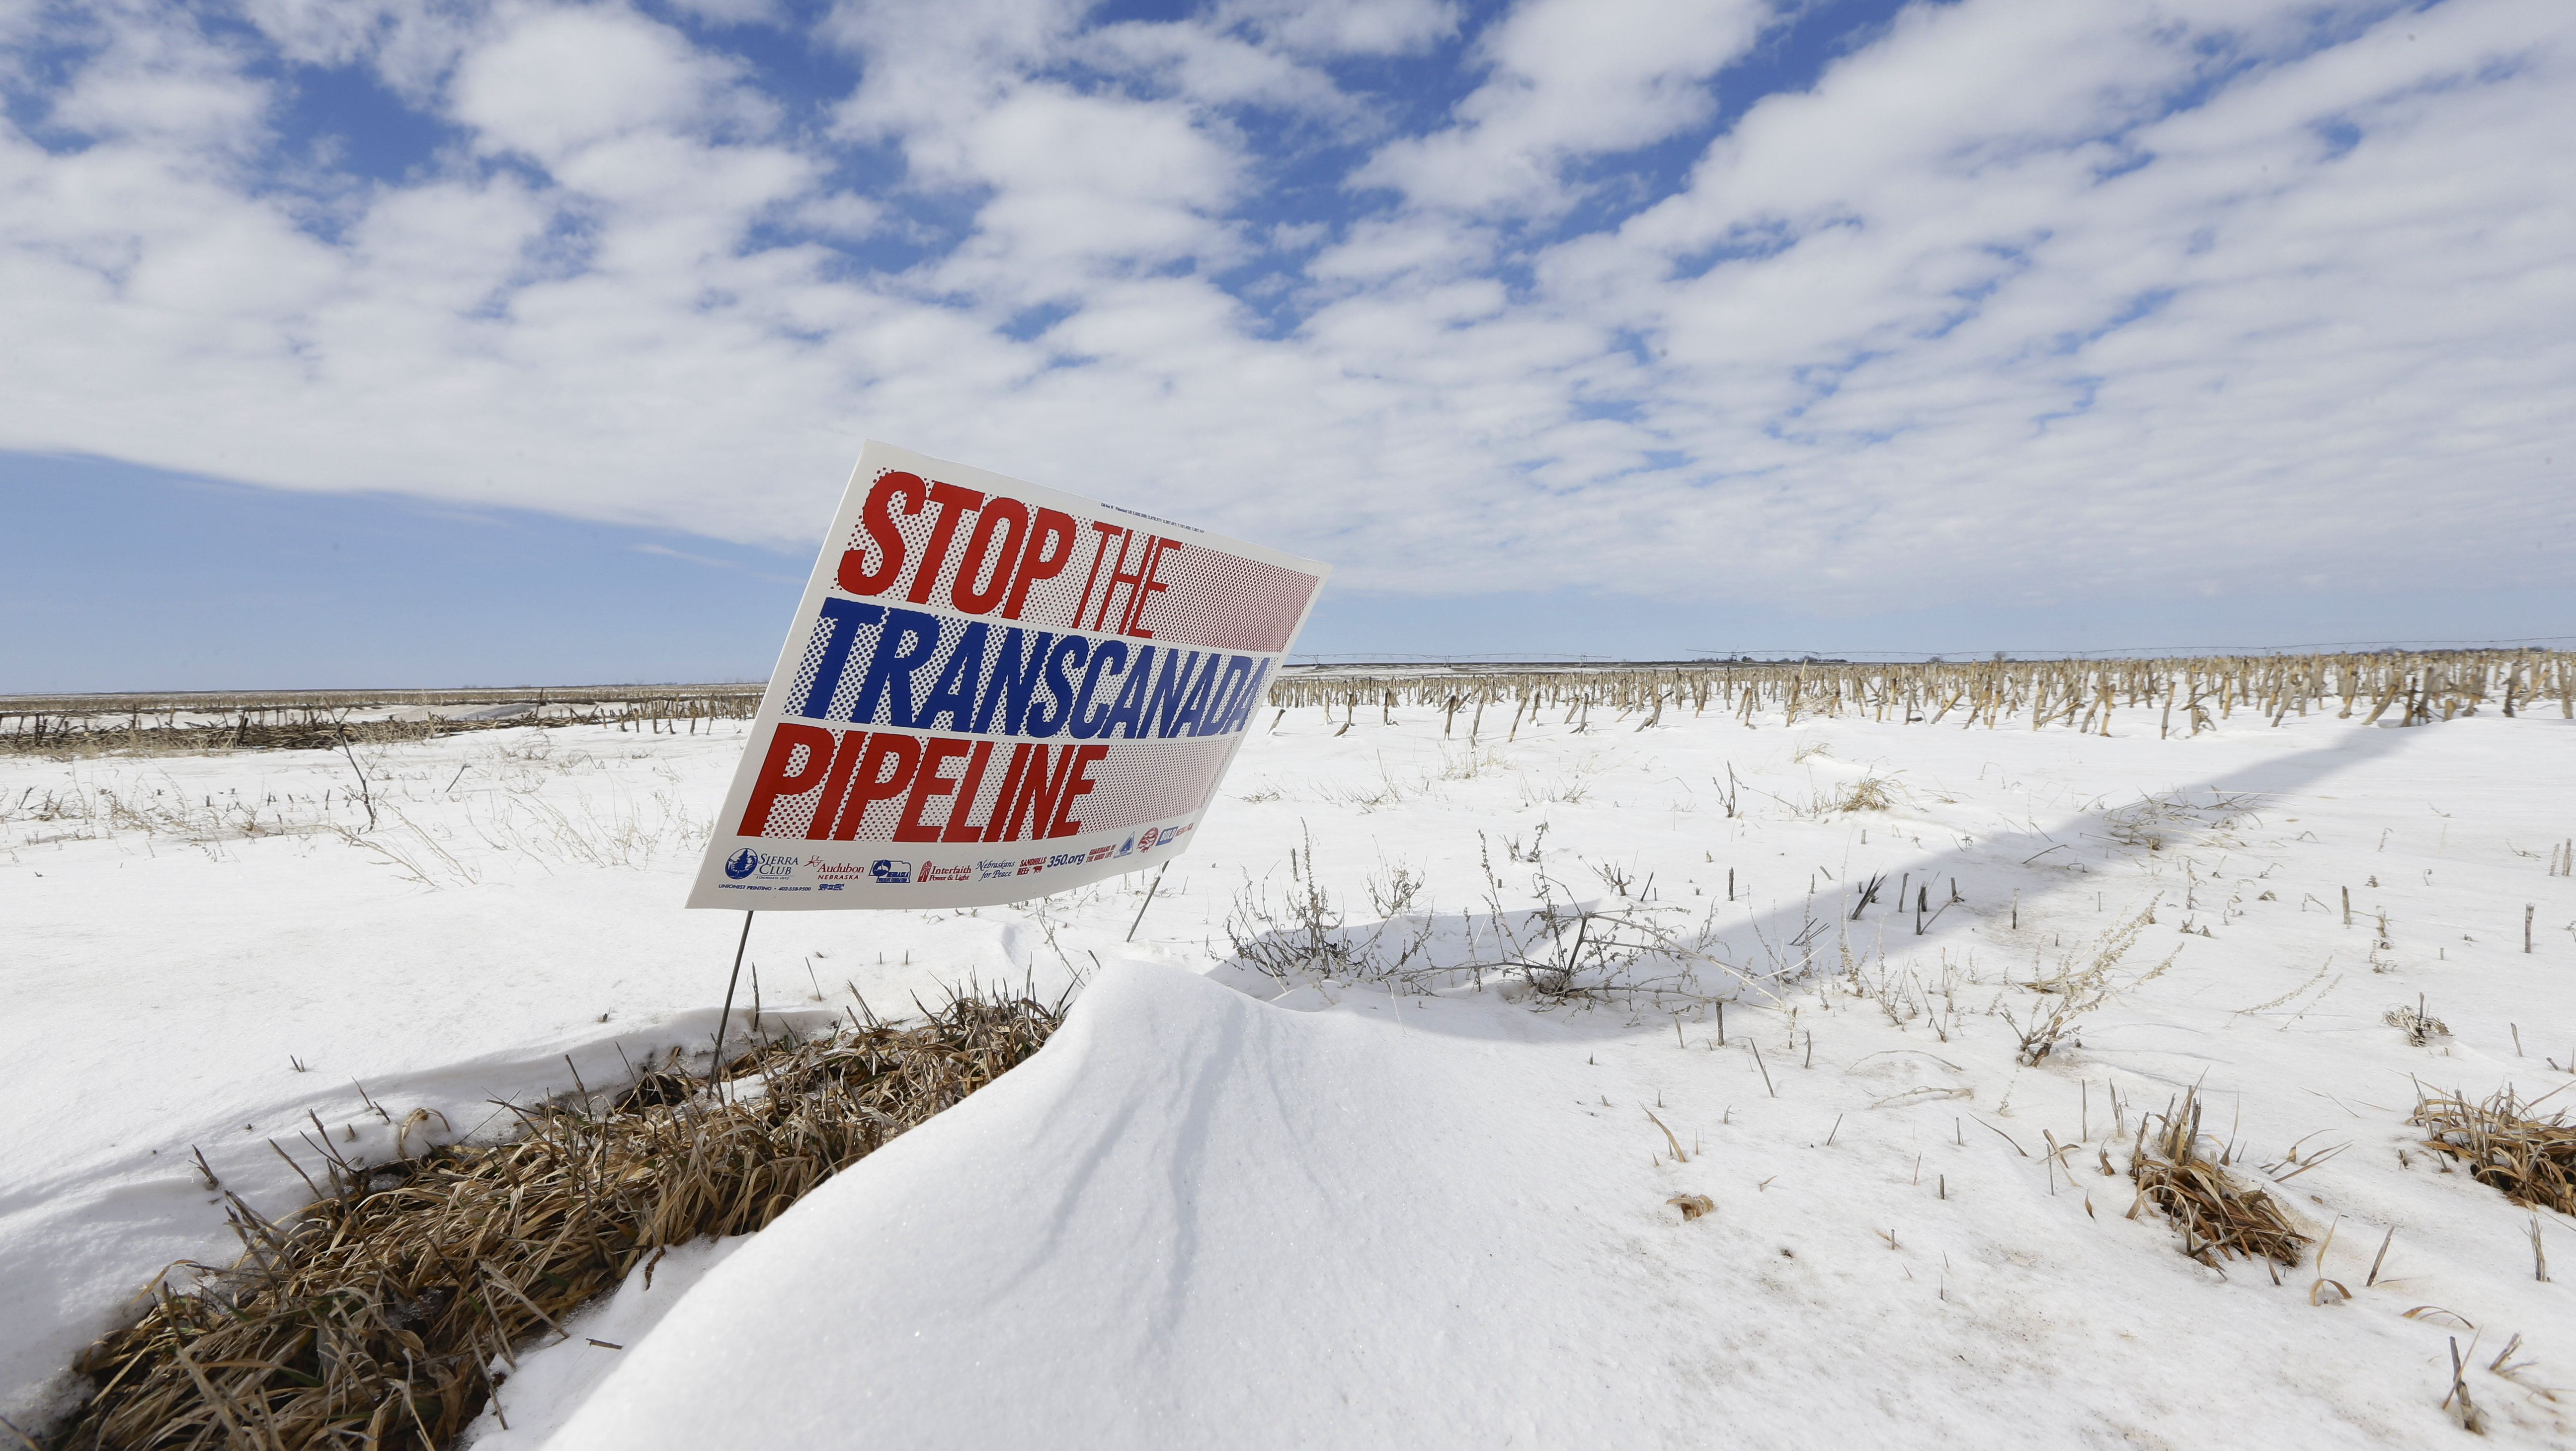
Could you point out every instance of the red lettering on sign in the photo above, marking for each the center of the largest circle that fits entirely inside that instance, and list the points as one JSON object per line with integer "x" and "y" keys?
{"x": 1009, "y": 520}
{"x": 960, "y": 828}
{"x": 845, "y": 758}
{"x": 1151, "y": 586}
{"x": 926, "y": 783}
{"x": 1076, "y": 781}
{"x": 1038, "y": 560}
{"x": 1012, "y": 777}
{"x": 1099, "y": 551}
{"x": 783, "y": 772}
{"x": 1030, "y": 811}
{"x": 954, "y": 505}
{"x": 1119, "y": 574}
{"x": 874, "y": 782}
{"x": 877, "y": 515}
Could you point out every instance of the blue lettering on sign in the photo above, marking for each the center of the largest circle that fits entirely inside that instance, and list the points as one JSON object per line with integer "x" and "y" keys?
{"x": 1014, "y": 682}
{"x": 872, "y": 665}
{"x": 842, "y": 619}
{"x": 891, "y": 872}
{"x": 906, "y": 644}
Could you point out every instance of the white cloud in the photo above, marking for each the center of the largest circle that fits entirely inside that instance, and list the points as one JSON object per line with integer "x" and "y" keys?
{"x": 323, "y": 32}
{"x": 668, "y": 553}
{"x": 2230, "y": 346}
{"x": 1342, "y": 27}
{"x": 411, "y": 46}
{"x": 733, "y": 12}
{"x": 1570, "y": 78}
{"x": 157, "y": 76}
{"x": 553, "y": 80}
{"x": 1210, "y": 68}
{"x": 1980, "y": 316}
{"x": 1414, "y": 247}
{"x": 924, "y": 63}
{"x": 841, "y": 216}
{"x": 20, "y": 19}
{"x": 1078, "y": 184}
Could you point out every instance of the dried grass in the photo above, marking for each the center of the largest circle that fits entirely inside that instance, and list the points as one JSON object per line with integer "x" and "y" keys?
{"x": 2192, "y": 694}
{"x": 2420, "y": 1027}
{"x": 200, "y": 740}
{"x": 1869, "y": 793}
{"x": 379, "y": 1316}
{"x": 2533, "y": 1160}
{"x": 2081, "y": 984}
{"x": 2217, "y": 1215}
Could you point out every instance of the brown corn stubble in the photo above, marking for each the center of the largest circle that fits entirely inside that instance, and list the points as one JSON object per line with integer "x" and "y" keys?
{"x": 2532, "y": 1160}
{"x": 2219, "y": 1217}
{"x": 376, "y": 1317}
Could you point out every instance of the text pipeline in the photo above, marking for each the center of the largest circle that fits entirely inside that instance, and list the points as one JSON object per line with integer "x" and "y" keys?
{"x": 853, "y": 769}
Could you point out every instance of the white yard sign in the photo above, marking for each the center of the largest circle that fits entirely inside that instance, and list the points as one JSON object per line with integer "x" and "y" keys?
{"x": 994, "y": 691}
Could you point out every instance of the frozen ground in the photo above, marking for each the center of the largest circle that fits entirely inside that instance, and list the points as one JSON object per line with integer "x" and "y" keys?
{"x": 1386, "y": 1192}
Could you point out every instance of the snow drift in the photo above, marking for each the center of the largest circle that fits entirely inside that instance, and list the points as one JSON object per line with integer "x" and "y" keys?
{"x": 1196, "y": 1218}
{"x": 1193, "y": 1216}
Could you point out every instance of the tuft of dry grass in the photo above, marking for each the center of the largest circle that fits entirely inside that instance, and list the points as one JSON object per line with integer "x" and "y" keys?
{"x": 2533, "y": 1160}
{"x": 2081, "y": 984}
{"x": 2218, "y": 1216}
{"x": 2420, "y": 1027}
{"x": 1869, "y": 793}
{"x": 377, "y": 1317}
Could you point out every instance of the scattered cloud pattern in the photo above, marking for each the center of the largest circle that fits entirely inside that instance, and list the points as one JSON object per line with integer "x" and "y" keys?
{"x": 1841, "y": 306}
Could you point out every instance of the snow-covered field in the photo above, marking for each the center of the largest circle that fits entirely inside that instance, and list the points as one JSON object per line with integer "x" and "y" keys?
{"x": 1395, "y": 1189}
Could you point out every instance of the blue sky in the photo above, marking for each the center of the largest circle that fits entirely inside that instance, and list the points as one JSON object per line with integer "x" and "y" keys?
{"x": 446, "y": 342}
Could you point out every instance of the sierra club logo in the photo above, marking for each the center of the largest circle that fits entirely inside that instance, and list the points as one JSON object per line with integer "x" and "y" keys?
{"x": 771, "y": 866}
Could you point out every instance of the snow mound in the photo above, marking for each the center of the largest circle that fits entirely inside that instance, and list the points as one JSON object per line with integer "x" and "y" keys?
{"x": 1193, "y": 1215}
{"x": 1196, "y": 1218}
{"x": 550, "y": 1382}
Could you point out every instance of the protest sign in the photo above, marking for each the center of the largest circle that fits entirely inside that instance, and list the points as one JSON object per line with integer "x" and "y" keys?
{"x": 994, "y": 691}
